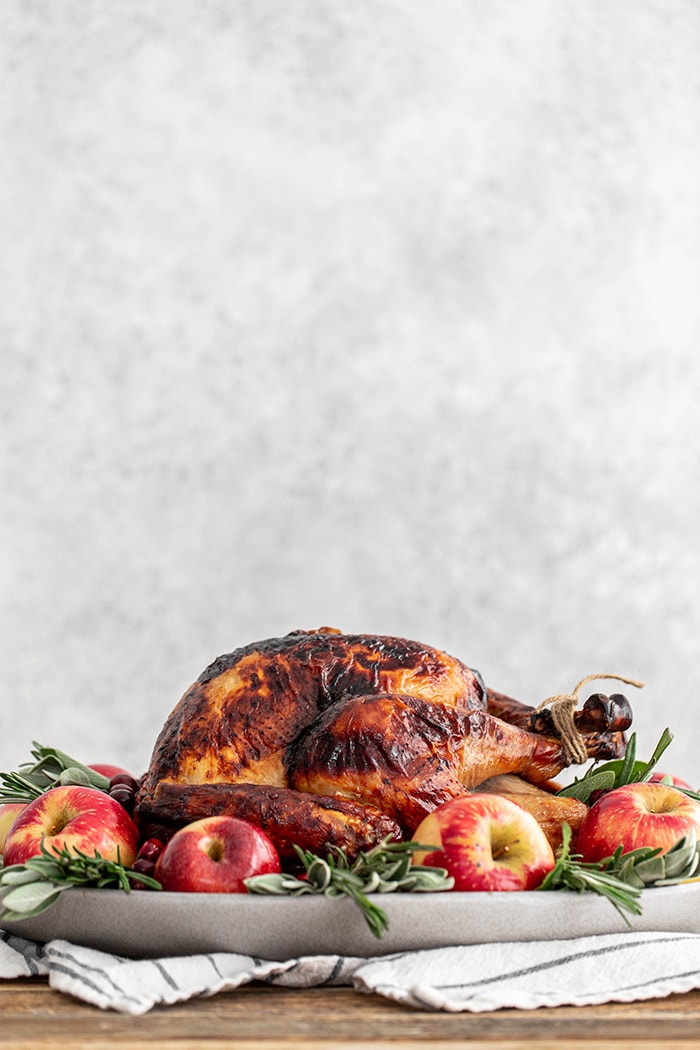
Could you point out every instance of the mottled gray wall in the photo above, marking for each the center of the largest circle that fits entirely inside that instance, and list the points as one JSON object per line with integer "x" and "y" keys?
{"x": 375, "y": 314}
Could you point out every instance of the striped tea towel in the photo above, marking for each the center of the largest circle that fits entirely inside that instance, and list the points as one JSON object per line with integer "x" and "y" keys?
{"x": 527, "y": 974}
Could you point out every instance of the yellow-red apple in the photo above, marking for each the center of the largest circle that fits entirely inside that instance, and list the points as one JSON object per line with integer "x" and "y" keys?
{"x": 215, "y": 855}
{"x": 8, "y": 814}
{"x": 636, "y": 815}
{"x": 77, "y": 817}
{"x": 486, "y": 842}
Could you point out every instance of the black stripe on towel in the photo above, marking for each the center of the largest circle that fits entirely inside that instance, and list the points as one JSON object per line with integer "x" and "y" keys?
{"x": 655, "y": 980}
{"x": 562, "y": 960}
{"x": 81, "y": 979}
{"x": 270, "y": 978}
{"x": 29, "y": 950}
{"x": 165, "y": 975}
{"x": 339, "y": 963}
{"x": 214, "y": 967}
{"x": 67, "y": 957}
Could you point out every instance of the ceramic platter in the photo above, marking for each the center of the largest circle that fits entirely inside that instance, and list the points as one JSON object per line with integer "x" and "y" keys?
{"x": 146, "y": 925}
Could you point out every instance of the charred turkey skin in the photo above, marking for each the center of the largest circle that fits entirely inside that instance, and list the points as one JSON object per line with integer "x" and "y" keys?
{"x": 323, "y": 738}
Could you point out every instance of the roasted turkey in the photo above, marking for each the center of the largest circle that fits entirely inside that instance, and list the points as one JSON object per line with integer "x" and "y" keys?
{"x": 323, "y": 738}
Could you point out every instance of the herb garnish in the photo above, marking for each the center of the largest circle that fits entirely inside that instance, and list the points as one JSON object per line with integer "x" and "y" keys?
{"x": 621, "y": 877}
{"x": 386, "y": 868}
{"x": 50, "y": 768}
{"x": 30, "y": 888}
{"x": 619, "y": 771}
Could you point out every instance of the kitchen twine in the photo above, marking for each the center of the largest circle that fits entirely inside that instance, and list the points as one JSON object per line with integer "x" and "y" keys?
{"x": 562, "y": 707}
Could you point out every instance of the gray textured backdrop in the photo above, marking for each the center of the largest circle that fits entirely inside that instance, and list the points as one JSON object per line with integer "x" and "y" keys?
{"x": 375, "y": 314}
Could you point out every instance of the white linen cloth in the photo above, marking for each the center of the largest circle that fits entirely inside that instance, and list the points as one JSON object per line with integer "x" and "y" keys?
{"x": 527, "y": 974}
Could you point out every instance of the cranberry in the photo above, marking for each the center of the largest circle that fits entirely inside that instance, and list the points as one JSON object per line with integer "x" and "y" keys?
{"x": 124, "y": 780}
{"x": 144, "y": 866}
{"x": 124, "y": 797}
{"x": 151, "y": 849}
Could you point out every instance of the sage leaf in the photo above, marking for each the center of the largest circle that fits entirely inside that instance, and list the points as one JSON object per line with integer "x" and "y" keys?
{"x": 74, "y": 775}
{"x": 18, "y": 875}
{"x": 32, "y": 897}
{"x": 602, "y": 780}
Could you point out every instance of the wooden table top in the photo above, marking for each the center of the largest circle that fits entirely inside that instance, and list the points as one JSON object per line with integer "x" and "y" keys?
{"x": 260, "y": 1017}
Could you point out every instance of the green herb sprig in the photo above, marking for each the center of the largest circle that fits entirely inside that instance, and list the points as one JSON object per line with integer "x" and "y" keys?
{"x": 50, "y": 768}
{"x": 30, "y": 888}
{"x": 651, "y": 867}
{"x": 570, "y": 872}
{"x": 386, "y": 868}
{"x": 619, "y": 771}
{"x": 622, "y": 877}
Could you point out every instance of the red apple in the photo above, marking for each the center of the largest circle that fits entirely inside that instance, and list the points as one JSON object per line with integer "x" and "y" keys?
{"x": 215, "y": 855}
{"x": 486, "y": 842}
{"x": 8, "y": 813}
{"x": 637, "y": 815}
{"x": 107, "y": 770}
{"x": 78, "y": 817}
{"x": 658, "y": 778}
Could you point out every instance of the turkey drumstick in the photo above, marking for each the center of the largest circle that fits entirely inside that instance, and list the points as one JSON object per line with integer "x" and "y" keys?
{"x": 415, "y": 755}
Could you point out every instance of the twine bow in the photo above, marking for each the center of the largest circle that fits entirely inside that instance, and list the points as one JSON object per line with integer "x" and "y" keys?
{"x": 562, "y": 707}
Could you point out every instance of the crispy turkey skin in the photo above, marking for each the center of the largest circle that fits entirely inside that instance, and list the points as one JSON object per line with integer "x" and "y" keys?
{"x": 323, "y": 738}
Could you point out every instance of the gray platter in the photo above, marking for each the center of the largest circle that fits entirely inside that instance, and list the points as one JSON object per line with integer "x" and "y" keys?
{"x": 151, "y": 924}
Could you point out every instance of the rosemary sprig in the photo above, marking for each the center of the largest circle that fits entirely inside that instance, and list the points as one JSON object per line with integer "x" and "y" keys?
{"x": 49, "y": 769}
{"x": 572, "y": 873}
{"x": 386, "y": 868}
{"x": 619, "y": 771}
{"x": 622, "y": 876}
{"x": 30, "y": 888}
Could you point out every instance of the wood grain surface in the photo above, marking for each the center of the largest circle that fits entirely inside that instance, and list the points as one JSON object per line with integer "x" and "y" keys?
{"x": 259, "y": 1017}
